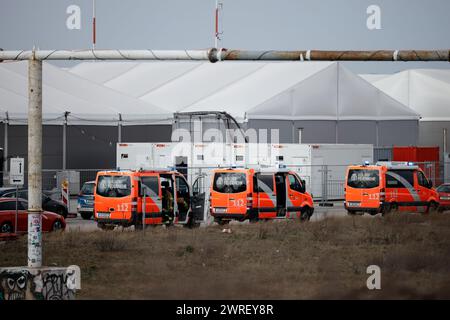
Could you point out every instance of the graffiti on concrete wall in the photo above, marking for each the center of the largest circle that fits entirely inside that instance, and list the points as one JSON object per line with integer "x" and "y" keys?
{"x": 29, "y": 284}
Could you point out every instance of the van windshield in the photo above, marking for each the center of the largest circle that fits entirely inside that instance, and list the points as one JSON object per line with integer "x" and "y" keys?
{"x": 363, "y": 178}
{"x": 230, "y": 182}
{"x": 114, "y": 186}
{"x": 88, "y": 189}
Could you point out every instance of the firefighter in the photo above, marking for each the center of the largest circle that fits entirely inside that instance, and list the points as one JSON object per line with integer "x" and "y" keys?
{"x": 168, "y": 209}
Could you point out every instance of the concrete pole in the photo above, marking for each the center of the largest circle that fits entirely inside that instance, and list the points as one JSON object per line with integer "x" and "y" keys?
{"x": 5, "y": 150}
{"x": 34, "y": 163}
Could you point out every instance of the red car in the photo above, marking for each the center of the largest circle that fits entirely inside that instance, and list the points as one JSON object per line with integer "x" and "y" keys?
{"x": 50, "y": 221}
{"x": 444, "y": 196}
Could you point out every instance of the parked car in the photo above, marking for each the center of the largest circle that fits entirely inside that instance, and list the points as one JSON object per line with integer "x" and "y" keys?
{"x": 48, "y": 204}
{"x": 85, "y": 205}
{"x": 50, "y": 221}
{"x": 444, "y": 196}
{"x": 6, "y": 190}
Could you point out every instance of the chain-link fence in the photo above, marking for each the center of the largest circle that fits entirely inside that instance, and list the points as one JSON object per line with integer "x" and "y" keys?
{"x": 324, "y": 182}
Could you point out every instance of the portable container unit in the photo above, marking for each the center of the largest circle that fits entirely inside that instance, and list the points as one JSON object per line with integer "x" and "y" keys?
{"x": 322, "y": 166}
{"x": 382, "y": 154}
{"x": 428, "y": 159}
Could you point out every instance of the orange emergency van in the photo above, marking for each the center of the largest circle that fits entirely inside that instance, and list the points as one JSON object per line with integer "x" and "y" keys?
{"x": 240, "y": 194}
{"x": 121, "y": 197}
{"x": 388, "y": 186}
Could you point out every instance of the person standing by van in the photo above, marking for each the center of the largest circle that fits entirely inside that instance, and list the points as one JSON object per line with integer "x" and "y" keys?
{"x": 167, "y": 207}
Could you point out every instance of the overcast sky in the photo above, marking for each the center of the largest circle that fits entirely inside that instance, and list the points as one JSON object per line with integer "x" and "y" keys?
{"x": 247, "y": 24}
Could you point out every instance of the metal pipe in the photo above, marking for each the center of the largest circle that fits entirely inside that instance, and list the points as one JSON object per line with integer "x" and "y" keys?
{"x": 34, "y": 163}
{"x": 318, "y": 55}
{"x": 107, "y": 55}
{"x": 214, "y": 55}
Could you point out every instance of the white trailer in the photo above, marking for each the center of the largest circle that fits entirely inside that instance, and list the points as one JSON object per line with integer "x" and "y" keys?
{"x": 322, "y": 166}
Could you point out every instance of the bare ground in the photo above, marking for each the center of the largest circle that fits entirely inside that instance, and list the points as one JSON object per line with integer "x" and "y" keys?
{"x": 272, "y": 260}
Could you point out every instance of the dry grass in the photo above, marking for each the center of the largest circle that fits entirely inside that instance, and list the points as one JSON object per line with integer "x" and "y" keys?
{"x": 275, "y": 260}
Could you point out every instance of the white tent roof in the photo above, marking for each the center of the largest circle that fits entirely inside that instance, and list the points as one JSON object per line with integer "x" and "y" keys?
{"x": 426, "y": 91}
{"x": 88, "y": 102}
{"x": 258, "y": 90}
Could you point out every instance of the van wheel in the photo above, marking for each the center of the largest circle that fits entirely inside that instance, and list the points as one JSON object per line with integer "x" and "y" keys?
{"x": 305, "y": 214}
{"x": 393, "y": 208}
{"x": 105, "y": 227}
{"x": 86, "y": 215}
{"x": 222, "y": 222}
{"x": 432, "y": 207}
{"x": 254, "y": 220}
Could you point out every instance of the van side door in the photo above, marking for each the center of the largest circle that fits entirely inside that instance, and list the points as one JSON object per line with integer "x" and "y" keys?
{"x": 295, "y": 196}
{"x": 153, "y": 201}
{"x": 183, "y": 198}
{"x": 400, "y": 189}
{"x": 198, "y": 200}
{"x": 265, "y": 200}
{"x": 423, "y": 189}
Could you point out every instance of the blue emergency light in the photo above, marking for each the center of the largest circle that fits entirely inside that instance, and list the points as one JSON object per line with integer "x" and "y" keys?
{"x": 366, "y": 163}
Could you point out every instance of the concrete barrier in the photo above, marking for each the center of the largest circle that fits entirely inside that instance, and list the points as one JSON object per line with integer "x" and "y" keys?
{"x": 45, "y": 283}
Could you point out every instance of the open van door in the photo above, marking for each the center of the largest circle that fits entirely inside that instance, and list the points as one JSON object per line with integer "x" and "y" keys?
{"x": 149, "y": 186}
{"x": 183, "y": 199}
{"x": 265, "y": 198}
{"x": 199, "y": 198}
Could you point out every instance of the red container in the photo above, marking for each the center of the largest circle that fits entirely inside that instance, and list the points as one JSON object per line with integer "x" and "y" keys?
{"x": 426, "y": 157}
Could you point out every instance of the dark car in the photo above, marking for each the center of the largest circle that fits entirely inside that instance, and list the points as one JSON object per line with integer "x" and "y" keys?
{"x": 50, "y": 220}
{"x": 6, "y": 190}
{"x": 48, "y": 204}
{"x": 444, "y": 196}
{"x": 86, "y": 200}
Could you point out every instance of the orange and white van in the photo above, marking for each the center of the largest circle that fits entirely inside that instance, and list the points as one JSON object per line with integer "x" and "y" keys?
{"x": 240, "y": 194}
{"x": 388, "y": 186}
{"x": 121, "y": 197}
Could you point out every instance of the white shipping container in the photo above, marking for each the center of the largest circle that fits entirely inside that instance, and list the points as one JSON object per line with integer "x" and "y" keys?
{"x": 322, "y": 166}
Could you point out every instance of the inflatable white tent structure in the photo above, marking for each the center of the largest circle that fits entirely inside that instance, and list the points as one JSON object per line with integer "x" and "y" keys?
{"x": 323, "y": 96}
{"x": 427, "y": 92}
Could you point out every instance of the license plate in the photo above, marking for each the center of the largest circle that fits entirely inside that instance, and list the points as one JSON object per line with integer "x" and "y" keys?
{"x": 103, "y": 215}
{"x": 221, "y": 210}
{"x": 353, "y": 204}
{"x": 445, "y": 198}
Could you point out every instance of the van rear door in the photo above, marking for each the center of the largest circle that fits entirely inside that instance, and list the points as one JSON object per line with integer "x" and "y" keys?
{"x": 229, "y": 194}
{"x": 363, "y": 188}
{"x": 113, "y": 197}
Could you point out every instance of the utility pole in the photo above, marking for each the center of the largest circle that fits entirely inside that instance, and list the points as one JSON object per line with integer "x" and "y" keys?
{"x": 64, "y": 155}
{"x": 5, "y": 148}
{"x": 119, "y": 129}
{"x": 94, "y": 26}
{"x": 34, "y": 162}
